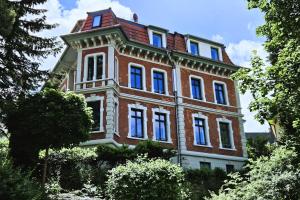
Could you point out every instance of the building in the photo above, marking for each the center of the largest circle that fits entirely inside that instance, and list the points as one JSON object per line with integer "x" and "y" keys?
{"x": 144, "y": 82}
{"x": 269, "y": 136}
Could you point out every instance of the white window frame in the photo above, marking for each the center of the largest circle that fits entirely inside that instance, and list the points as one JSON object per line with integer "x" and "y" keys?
{"x": 95, "y": 66}
{"x": 144, "y": 109}
{"x": 168, "y": 124}
{"x": 231, "y": 138}
{"x": 225, "y": 92}
{"x": 116, "y": 70}
{"x": 116, "y": 116}
{"x": 207, "y": 136}
{"x": 219, "y": 52}
{"x": 101, "y": 99}
{"x": 202, "y": 87}
{"x": 189, "y": 46}
{"x": 143, "y": 76}
{"x": 165, "y": 80}
{"x": 163, "y": 35}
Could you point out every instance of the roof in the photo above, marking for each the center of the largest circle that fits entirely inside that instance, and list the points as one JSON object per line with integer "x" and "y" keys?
{"x": 139, "y": 32}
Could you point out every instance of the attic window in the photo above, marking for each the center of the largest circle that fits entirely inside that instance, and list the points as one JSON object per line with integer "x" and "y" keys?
{"x": 97, "y": 21}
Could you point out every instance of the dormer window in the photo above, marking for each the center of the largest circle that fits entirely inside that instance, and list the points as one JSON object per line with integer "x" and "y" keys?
{"x": 96, "y": 21}
{"x": 215, "y": 53}
{"x": 157, "y": 40}
{"x": 194, "y": 48}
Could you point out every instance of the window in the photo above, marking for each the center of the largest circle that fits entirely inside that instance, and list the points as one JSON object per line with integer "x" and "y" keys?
{"x": 136, "y": 123}
{"x": 229, "y": 168}
{"x": 95, "y": 105}
{"x": 205, "y": 165}
{"x": 194, "y": 48}
{"x": 94, "y": 67}
{"x": 220, "y": 96}
{"x": 96, "y": 21}
{"x": 158, "y": 82}
{"x": 196, "y": 88}
{"x": 136, "y": 77}
{"x": 116, "y": 117}
{"x": 157, "y": 40}
{"x": 116, "y": 70}
{"x": 214, "y": 53}
{"x": 200, "y": 131}
{"x": 225, "y": 135}
{"x": 160, "y": 127}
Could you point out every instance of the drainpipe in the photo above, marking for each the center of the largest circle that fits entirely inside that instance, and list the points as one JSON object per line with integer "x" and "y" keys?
{"x": 179, "y": 160}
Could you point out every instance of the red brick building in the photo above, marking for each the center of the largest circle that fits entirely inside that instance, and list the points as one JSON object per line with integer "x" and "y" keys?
{"x": 144, "y": 82}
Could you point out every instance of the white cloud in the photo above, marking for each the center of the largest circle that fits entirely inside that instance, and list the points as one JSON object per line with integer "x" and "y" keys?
{"x": 240, "y": 54}
{"x": 67, "y": 18}
{"x": 218, "y": 38}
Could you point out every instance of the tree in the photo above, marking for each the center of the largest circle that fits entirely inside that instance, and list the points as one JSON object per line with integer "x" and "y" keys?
{"x": 21, "y": 49}
{"x": 257, "y": 147}
{"x": 270, "y": 178}
{"x": 146, "y": 180}
{"x": 49, "y": 119}
{"x": 275, "y": 88}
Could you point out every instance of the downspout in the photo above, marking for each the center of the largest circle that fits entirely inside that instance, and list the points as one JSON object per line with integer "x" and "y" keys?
{"x": 179, "y": 160}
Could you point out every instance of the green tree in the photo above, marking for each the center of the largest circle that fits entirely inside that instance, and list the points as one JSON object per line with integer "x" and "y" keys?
{"x": 275, "y": 88}
{"x": 257, "y": 147}
{"x": 21, "y": 49}
{"x": 49, "y": 119}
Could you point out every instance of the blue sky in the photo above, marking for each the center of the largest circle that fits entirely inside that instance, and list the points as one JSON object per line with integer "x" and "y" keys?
{"x": 228, "y": 22}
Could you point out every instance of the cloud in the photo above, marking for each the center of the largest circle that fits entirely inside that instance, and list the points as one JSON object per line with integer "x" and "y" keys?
{"x": 240, "y": 54}
{"x": 67, "y": 18}
{"x": 218, "y": 38}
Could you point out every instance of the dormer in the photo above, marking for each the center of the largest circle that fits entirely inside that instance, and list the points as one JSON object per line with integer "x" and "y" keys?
{"x": 157, "y": 36}
{"x": 203, "y": 47}
{"x": 99, "y": 19}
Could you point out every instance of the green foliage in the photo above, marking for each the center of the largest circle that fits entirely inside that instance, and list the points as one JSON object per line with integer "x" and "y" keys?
{"x": 17, "y": 184}
{"x": 270, "y": 178}
{"x": 3, "y": 148}
{"x": 49, "y": 119}
{"x": 147, "y": 179}
{"x": 202, "y": 181}
{"x": 275, "y": 88}
{"x": 119, "y": 155}
{"x": 258, "y": 147}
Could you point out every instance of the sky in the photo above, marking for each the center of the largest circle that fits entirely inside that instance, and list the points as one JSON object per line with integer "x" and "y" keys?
{"x": 228, "y": 22}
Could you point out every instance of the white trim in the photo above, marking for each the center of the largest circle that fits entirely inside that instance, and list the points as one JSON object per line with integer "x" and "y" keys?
{"x": 168, "y": 123}
{"x": 201, "y": 87}
{"x": 85, "y": 70}
{"x": 225, "y": 92}
{"x": 207, "y": 136}
{"x": 165, "y": 80}
{"x": 212, "y": 155}
{"x": 143, "y": 75}
{"x": 144, "y": 109}
{"x": 116, "y": 70}
{"x": 163, "y": 35}
{"x": 101, "y": 99}
{"x": 188, "y": 43}
{"x": 229, "y": 122}
{"x": 116, "y": 116}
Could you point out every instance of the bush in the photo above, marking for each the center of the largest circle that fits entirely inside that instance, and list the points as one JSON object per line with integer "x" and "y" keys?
{"x": 202, "y": 181}
{"x": 147, "y": 179}
{"x": 15, "y": 184}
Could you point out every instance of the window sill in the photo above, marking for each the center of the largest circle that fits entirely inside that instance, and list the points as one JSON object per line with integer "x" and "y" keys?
{"x": 199, "y": 100}
{"x": 117, "y": 134}
{"x": 150, "y": 92}
{"x": 228, "y": 149}
{"x": 136, "y": 138}
{"x": 200, "y": 145}
{"x": 166, "y": 142}
{"x": 98, "y": 131}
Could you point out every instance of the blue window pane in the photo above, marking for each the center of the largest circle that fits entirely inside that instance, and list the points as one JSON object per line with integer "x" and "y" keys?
{"x": 194, "y": 48}
{"x": 136, "y": 77}
{"x": 214, "y": 53}
{"x": 90, "y": 73}
{"x": 96, "y": 21}
{"x": 157, "y": 40}
{"x": 139, "y": 128}
{"x": 220, "y": 93}
{"x": 132, "y": 130}
{"x": 136, "y": 123}
{"x": 196, "y": 89}
{"x": 160, "y": 127}
{"x": 159, "y": 85}
{"x": 225, "y": 135}
{"x": 199, "y": 128}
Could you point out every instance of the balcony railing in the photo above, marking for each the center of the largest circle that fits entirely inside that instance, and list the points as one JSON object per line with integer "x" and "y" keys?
{"x": 93, "y": 84}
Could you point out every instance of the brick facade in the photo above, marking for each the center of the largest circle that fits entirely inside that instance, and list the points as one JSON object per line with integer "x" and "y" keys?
{"x": 178, "y": 71}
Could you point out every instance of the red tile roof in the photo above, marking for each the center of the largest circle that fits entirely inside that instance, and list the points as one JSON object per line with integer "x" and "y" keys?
{"x": 138, "y": 32}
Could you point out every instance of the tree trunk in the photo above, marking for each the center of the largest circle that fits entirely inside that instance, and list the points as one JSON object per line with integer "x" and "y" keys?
{"x": 45, "y": 167}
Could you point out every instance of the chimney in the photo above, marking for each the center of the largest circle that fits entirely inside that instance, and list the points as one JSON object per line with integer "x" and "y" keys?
{"x": 135, "y": 18}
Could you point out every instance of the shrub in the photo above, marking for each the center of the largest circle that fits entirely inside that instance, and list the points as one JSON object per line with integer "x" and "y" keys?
{"x": 16, "y": 184}
{"x": 202, "y": 181}
{"x": 147, "y": 179}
